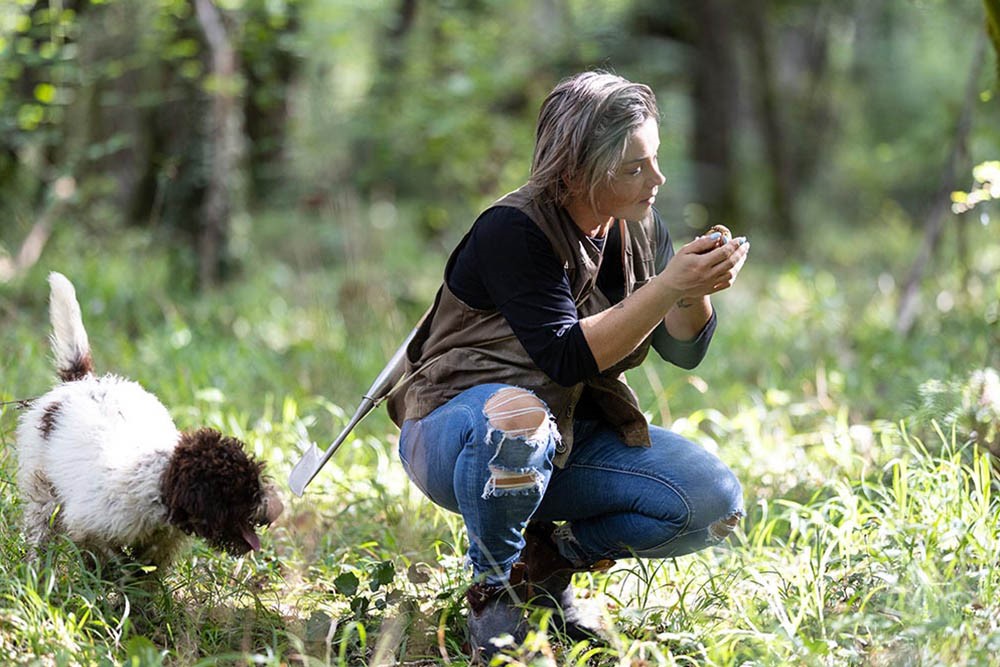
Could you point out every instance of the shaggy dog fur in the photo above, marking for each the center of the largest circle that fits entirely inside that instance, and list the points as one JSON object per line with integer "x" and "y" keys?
{"x": 100, "y": 460}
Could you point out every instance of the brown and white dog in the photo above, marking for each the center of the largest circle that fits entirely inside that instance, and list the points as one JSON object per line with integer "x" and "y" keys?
{"x": 100, "y": 460}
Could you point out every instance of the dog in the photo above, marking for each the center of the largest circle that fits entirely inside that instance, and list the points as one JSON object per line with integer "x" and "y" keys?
{"x": 101, "y": 462}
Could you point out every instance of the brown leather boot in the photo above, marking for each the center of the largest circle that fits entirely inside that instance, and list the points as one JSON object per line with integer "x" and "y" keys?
{"x": 550, "y": 576}
{"x": 496, "y": 610}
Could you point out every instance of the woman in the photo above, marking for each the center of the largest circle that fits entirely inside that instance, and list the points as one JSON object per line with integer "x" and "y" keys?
{"x": 516, "y": 413}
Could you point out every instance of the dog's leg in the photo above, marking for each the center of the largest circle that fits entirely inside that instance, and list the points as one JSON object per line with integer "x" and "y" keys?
{"x": 41, "y": 514}
{"x": 161, "y": 548}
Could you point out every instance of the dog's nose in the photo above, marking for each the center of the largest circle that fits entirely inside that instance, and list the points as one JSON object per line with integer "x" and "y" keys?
{"x": 273, "y": 505}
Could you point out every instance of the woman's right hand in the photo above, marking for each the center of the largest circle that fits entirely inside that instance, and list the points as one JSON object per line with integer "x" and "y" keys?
{"x": 698, "y": 269}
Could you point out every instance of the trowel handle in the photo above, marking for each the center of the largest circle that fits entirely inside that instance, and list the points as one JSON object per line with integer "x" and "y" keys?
{"x": 392, "y": 372}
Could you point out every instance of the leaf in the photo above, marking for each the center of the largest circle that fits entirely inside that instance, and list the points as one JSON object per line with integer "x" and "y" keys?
{"x": 359, "y": 605}
{"x": 141, "y": 652}
{"x": 45, "y": 93}
{"x": 319, "y": 626}
{"x": 346, "y": 584}
{"x": 417, "y": 575}
{"x": 29, "y": 116}
{"x": 382, "y": 574}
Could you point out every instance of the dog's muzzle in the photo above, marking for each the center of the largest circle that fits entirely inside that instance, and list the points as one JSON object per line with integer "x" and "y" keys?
{"x": 271, "y": 507}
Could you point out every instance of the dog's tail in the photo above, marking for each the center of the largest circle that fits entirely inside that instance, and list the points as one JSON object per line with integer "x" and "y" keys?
{"x": 69, "y": 338}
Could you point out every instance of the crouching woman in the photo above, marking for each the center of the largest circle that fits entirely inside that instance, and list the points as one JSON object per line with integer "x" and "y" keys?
{"x": 516, "y": 413}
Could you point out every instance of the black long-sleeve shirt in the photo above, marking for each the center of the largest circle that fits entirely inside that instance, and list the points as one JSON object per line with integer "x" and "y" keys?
{"x": 506, "y": 262}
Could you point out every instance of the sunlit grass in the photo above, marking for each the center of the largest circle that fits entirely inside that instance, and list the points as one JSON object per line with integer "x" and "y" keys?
{"x": 870, "y": 535}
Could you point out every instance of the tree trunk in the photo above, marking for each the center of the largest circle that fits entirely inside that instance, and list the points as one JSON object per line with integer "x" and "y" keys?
{"x": 224, "y": 138}
{"x": 782, "y": 183}
{"x": 715, "y": 87}
{"x": 392, "y": 52}
{"x": 941, "y": 204}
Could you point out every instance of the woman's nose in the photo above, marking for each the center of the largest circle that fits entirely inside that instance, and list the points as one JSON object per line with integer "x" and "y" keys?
{"x": 657, "y": 176}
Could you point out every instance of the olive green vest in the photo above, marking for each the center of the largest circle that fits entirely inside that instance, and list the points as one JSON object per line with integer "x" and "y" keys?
{"x": 457, "y": 347}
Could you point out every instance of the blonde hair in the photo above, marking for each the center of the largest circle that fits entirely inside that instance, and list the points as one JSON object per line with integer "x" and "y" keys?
{"x": 583, "y": 129}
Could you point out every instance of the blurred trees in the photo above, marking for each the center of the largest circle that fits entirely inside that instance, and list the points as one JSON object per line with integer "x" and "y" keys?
{"x": 150, "y": 113}
{"x": 779, "y": 88}
{"x": 180, "y": 115}
{"x": 448, "y": 116}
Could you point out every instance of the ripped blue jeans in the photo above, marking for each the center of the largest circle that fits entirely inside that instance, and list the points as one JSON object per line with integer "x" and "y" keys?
{"x": 617, "y": 501}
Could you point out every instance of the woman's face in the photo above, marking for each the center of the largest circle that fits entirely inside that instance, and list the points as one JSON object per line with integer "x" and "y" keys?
{"x": 631, "y": 190}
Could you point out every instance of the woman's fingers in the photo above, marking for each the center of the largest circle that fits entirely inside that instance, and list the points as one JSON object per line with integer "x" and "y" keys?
{"x": 703, "y": 266}
{"x": 727, "y": 256}
{"x": 732, "y": 263}
{"x": 701, "y": 245}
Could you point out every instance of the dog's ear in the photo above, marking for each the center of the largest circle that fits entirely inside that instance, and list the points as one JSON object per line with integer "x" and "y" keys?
{"x": 212, "y": 488}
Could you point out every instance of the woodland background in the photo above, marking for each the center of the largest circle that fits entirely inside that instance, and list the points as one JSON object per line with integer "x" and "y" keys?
{"x": 255, "y": 200}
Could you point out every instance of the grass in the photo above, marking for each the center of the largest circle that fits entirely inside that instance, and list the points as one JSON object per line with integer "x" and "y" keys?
{"x": 871, "y": 535}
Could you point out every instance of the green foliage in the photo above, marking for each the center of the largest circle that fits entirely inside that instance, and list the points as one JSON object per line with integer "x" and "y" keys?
{"x": 438, "y": 107}
{"x": 985, "y": 189}
{"x": 869, "y": 538}
{"x": 106, "y": 106}
{"x": 433, "y": 108}
{"x": 972, "y": 406}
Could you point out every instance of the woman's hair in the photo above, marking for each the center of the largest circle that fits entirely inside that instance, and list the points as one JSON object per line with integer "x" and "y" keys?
{"x": 583, "y": 129}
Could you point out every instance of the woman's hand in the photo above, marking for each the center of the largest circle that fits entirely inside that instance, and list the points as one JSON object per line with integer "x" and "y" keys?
{"x": 677, "y": 296}
{"x": 705, "y": 266}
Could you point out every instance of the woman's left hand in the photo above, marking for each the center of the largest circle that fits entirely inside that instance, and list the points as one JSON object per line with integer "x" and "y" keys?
{"x": 731, "y": 264}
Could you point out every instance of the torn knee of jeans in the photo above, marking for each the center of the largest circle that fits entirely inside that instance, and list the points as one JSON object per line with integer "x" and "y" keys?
{"x": 723, "y": 528}
{"x": 513, "y": 482}
{"x": 518, "y": 413}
